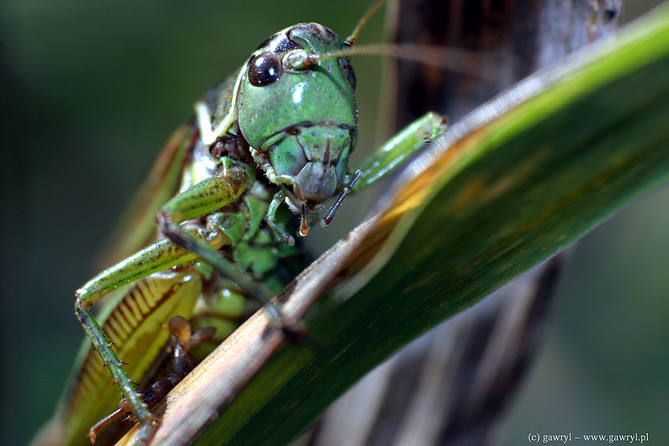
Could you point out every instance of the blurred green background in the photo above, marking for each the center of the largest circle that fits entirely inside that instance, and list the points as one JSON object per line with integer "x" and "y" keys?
{"x": 89, "y": 93}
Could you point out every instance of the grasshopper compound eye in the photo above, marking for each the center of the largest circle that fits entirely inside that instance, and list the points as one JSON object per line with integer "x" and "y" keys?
{"x": 265, "y": 69}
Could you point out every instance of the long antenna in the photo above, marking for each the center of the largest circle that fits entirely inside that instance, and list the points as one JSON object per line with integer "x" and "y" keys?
{"x": 454, "y": 59}
{"x": 350, "y": 40}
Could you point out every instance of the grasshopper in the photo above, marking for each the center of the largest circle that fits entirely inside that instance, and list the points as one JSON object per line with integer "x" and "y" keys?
{"x": 265, "y": 150}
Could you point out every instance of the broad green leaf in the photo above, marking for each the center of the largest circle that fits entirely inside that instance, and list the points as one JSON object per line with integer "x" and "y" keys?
{"x": 506, "y": 188}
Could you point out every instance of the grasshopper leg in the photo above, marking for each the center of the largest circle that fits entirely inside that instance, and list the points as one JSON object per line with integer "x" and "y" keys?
{"x": 189, "y": 204}
{"x": 182, "y": 238}
{"x": 252, "y": 288}
{"x": 157, "y": 257}
{"x": 399, "y": 148}
{"x": 199, "y": 200}
{"x": 168, "y": 220}
{"x": 271, "y": 217}
{"x": 389, "y": 156}
{"x": 183, "y": 340}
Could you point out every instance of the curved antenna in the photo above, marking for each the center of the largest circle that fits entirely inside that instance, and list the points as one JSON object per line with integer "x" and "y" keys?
{"x": 350, "y": 40}
{"x": 457, "y": 60}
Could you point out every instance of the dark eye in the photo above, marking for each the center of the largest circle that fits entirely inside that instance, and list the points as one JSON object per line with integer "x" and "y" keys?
{"x": 265, "y": 69}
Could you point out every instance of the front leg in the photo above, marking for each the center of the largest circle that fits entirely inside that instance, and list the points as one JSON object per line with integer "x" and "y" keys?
{"x": 389, "y": 156}
{"x": 399, "y": 148}
{"x": 195, "y": 202}
{"x": 277, "y": 200}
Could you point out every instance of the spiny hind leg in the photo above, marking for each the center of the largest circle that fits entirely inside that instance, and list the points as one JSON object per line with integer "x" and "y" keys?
{"x": 182, "y": 341}
{"x": 154, "y": 258}
{"x": 204, "y": 197}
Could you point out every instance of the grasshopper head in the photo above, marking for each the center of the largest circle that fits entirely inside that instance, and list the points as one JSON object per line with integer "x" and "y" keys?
{"x": 300, "y": 119}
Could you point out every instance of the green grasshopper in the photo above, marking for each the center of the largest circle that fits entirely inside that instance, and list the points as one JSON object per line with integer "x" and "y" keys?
{"x": 270, "y": 142}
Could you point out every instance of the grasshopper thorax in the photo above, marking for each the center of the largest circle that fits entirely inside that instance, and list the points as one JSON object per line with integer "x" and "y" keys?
{"x": 301, "y": 122}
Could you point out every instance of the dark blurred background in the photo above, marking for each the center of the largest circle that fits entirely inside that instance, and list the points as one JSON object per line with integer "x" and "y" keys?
{"x": 89, "y": 93}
